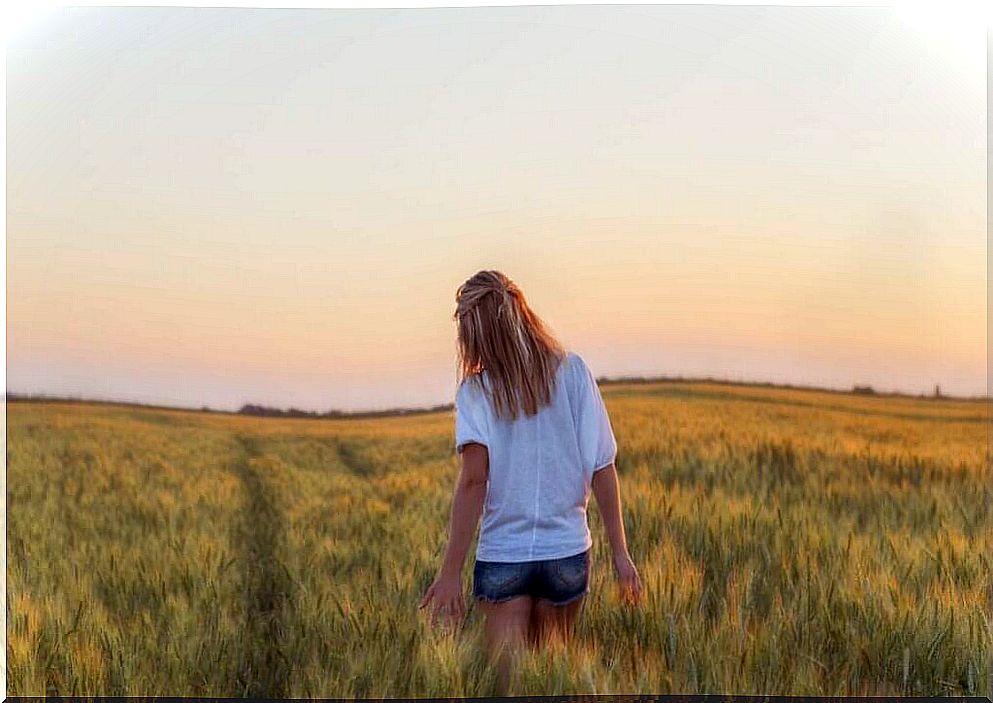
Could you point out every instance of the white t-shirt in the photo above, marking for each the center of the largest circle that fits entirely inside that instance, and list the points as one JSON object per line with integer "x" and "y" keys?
{"x": 540, "y": 467}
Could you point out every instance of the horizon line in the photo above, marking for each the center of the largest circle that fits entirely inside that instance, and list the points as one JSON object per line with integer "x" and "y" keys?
{"x": 865, "y": 390}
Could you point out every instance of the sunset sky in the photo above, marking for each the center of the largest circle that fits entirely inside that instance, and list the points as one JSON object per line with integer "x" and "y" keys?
{"x": 221, "y": 206}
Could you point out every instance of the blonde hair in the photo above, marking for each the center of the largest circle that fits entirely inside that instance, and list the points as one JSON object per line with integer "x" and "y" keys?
{"x": 498, "y": 332}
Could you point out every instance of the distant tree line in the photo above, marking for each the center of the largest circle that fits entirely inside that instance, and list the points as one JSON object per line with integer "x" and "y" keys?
{"x": 856, "y": 389}
{"x": 266, "y": 411}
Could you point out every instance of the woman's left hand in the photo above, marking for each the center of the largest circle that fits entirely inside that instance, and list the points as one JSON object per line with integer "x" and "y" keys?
{"x": 628, "y": 578}
{"x": 445, "y": 598}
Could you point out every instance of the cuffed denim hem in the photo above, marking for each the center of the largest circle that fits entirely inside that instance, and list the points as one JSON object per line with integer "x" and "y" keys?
{"x": 496, "y": 601}
{"x": 568, "y": 600}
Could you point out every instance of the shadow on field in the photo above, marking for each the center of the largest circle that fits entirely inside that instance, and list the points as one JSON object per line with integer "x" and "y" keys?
{"x": 354, "y": 457}
{"x": 264, "y": 669}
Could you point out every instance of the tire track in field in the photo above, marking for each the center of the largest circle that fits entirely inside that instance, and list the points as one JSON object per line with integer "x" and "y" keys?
{"x": 264, "y": 669}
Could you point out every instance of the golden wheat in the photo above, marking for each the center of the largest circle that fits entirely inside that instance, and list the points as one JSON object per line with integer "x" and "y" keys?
{"x": 790, "y": 542}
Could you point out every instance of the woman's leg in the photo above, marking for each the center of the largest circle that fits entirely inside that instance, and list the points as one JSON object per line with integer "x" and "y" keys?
{"x": 563, "y": 581}
{"x": 506, "y": 630}
{"x": 553, "y": 623}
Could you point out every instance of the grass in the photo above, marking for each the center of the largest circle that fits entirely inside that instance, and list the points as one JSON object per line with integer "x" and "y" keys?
{"x": 790, "y": 542}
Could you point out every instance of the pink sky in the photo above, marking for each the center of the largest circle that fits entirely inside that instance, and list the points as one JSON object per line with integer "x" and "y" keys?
{"x": 220, "y": 206}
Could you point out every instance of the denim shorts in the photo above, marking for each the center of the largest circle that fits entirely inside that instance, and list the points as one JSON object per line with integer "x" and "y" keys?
{"x": 560, "y": 581}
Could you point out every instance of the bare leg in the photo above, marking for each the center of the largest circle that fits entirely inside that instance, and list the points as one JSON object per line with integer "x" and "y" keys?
{"x": 506, "y": 629}
{"x": 553, "y": 623}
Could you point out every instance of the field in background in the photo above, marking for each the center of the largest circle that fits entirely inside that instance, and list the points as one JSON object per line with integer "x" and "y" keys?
{"x": 790, "y": 542}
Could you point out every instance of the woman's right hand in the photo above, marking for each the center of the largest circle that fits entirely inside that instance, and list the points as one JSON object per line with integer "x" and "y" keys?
{"x": 445, "y": 598}
{"x": 628, "y": 579}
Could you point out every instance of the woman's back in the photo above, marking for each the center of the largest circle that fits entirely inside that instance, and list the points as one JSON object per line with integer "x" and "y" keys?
{"x": 539, "y": 443}
{"x": 540, "y": 466}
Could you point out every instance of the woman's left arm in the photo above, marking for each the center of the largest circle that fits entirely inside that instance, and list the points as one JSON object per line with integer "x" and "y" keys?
{"x": 445, "y": 593}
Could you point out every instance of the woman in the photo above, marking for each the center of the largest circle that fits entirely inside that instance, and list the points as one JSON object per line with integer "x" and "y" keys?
{"x": 534, "y": 439}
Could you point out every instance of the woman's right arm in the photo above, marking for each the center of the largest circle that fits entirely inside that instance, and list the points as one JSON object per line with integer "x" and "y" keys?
{"x": 608, "y": 499}
{"x": 445, "y": 593}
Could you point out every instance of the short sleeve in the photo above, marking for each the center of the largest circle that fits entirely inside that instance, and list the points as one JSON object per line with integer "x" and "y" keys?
{"x": 470, "y": 416}
{"x": 597, "y": 445}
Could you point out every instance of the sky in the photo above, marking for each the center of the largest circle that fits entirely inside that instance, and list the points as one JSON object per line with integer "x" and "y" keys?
{"x": 218, "y": 206}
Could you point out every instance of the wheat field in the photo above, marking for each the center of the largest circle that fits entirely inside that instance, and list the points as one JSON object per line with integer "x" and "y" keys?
{"x": 789, "y": 541}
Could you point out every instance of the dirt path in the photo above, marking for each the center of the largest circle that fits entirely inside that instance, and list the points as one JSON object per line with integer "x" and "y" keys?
{"x": 264, "y": 669}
